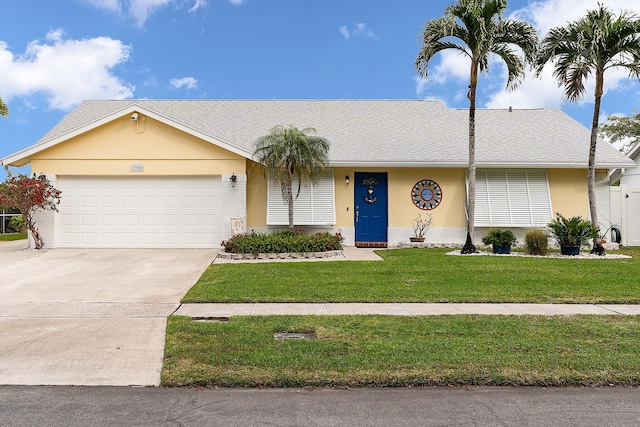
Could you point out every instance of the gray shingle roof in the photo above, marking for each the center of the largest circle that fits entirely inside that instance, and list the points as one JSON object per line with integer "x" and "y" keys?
{"x": 372, "y": 132}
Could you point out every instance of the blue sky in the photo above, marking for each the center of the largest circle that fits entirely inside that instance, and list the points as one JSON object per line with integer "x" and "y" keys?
{"x": 54, "y": 54}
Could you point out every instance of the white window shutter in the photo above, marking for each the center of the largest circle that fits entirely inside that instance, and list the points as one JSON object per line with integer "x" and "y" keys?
{"x": 512, "y": 197}
{"x": 315, "y": 204}
{"x": 541, "y": 210}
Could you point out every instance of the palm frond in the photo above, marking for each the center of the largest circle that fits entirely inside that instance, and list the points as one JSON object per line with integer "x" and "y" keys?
{"x": 589, "y": 46}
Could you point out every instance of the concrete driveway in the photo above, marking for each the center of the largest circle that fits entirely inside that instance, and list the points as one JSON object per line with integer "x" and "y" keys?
{"x": 90, "y": 316}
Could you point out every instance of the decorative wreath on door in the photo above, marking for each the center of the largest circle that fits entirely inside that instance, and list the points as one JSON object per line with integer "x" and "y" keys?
{"x": 426, "y": 194}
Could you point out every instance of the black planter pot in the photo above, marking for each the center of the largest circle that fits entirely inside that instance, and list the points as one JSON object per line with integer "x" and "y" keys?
{"x": 503, "y": 250}
{"x": 416, "y": 239}
{"x": 570, "y": 250}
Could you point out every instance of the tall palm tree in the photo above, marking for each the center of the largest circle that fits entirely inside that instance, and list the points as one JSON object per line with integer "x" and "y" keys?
{"x": 4, "y": 110}
{"x": 590, "y": 46}
{"x": 475, "y": 28}
{"x": 292, "y": 155}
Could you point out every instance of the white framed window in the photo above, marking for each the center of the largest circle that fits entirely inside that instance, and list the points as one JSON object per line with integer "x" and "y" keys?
{"x": 314, "y": 206}
{"x": 512, "y": 197}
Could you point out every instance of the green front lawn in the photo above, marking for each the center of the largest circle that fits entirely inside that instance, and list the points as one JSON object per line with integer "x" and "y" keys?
{"x": 426, "y": 275}
{"x": 12, "y": 236}
{"x": 404, "y": 351}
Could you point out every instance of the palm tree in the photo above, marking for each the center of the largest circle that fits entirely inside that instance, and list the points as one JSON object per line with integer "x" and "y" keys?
{"x": 590, "y": 46}
{"x": 475, "y": 28}
{"x": 4, "y": 110}
{"x": 292, "y": 155}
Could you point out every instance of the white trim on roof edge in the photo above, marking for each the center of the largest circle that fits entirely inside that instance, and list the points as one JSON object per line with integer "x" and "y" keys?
{"x": 487, "y": 165}
{"x": 130, "y": 108}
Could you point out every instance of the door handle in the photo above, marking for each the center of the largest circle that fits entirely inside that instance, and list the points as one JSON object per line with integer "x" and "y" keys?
{"x": 357, "y": 213}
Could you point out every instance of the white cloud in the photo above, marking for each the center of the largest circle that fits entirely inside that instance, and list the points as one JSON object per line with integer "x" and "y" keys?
{"x": 546, "y": 14}
{"x": 111, "y": 5}
{"x": 151, "y": 81}
{"x": 140, "y": 10}
{"x": 533, "y": 92}
{"x": 237, "y": 2}
{"x": 65, "y": 71}
{"x": 544, "y": 92}
{"x": 188, "y": 82}
{"x": 197, "y": 5}
{"x": 452, "y": 66}
{"x": 358, "y": 30}
{"x": 345, "y": 32}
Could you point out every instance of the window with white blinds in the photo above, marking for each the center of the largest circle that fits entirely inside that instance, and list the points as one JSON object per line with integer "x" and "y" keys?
{"x": 512, "y": 197}
{"x": 314, "y": 206}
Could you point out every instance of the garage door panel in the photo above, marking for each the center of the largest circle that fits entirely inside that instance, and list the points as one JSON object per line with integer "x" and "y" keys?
{"x": 109, "y": 220}
{"x": 169, "y": 220}
{"x": 150, "y": 220}
{"x": 69, "y": 220}
{"x": 170, "y": 239}
{"x": 89, "y": 238}
{"x": 109, "y": 239}
{"x": 150, "y": 202}
{"x": 129, "y": 220}
{"x": 88, "y": 220}
{"x": 89, "y": 202}
{"x": 68, "y": 239}
{"x": 89, "y": 184}
{"x": 140, "y": 212}
{"x": 129, "y": 202}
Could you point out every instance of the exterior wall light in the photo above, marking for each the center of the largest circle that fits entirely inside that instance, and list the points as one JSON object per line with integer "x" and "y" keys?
{"x": 346, "y": 180}
{"x": 233, "y": 180}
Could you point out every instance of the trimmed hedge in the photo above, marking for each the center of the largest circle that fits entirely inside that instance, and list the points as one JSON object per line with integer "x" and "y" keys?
{"x": 282, "y": 241}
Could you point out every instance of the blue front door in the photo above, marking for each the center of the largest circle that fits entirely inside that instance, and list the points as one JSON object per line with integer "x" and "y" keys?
{"x": 371, "y": 209}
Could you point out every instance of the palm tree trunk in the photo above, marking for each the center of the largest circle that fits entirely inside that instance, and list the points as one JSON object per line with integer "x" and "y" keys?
{"x": 469, "y": 247}
{"x": 591, "y": 174}
{"x": 289, "y": 195}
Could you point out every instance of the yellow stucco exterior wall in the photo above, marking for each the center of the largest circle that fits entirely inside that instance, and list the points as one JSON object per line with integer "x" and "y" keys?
{"x": 568, "y": 188}
{"x": 256, "y": 196}
{"x": 402, "y": 211}
{"x": 112, "y": 148}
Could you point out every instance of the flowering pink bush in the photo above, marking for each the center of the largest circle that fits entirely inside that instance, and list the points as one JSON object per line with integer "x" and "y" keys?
{"x": 29, "y": 195}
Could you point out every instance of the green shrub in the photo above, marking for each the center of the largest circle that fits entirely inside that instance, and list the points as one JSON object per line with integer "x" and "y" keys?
{"x": 536, "y": 242}
{"x": 282, "y": 241}
{"x": 497, "y": 237}
{"x": 17, "y": 223}
{"x": 573, "y": 231}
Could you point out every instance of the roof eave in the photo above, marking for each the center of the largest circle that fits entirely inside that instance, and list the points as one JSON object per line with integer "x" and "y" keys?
{"x": 21, "y": 157}
{"x": 486, "y": 165}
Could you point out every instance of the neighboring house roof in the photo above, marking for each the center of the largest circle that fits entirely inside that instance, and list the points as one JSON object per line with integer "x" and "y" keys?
{"x": 634, "y": 154}
{"x": 634, "y": 151}
{"x": 391, "y": 133}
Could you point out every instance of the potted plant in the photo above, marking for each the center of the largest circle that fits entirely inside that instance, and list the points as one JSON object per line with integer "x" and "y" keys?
{"x": 501, "y": 240}
{"x": 420, "y": 227}
{"x": 572, "y": 233}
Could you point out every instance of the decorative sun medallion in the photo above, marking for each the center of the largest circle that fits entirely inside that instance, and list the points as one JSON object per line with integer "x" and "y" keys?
{"x": 426, "y": 194}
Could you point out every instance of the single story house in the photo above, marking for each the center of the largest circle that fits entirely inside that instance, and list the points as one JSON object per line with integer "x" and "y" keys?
{"x": 181, "y": 173}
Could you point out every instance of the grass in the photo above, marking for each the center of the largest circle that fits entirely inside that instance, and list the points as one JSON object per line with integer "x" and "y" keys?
{"x": 405, "y": 351}
{"x": 426, "y": 275}
{"x": 12, "y": 237}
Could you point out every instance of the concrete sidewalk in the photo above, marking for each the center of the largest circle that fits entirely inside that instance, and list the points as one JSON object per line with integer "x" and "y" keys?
{"x": 401, "y": 309}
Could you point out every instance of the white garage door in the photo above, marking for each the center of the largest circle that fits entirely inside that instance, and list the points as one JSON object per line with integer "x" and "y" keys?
{"x": 139, "y": 212}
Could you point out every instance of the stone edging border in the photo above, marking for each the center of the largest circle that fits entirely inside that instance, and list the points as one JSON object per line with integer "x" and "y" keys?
{"x": 284, "y": 255}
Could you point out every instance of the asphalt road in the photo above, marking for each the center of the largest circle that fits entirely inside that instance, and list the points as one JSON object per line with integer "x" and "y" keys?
{"x": 475, "y": 406}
